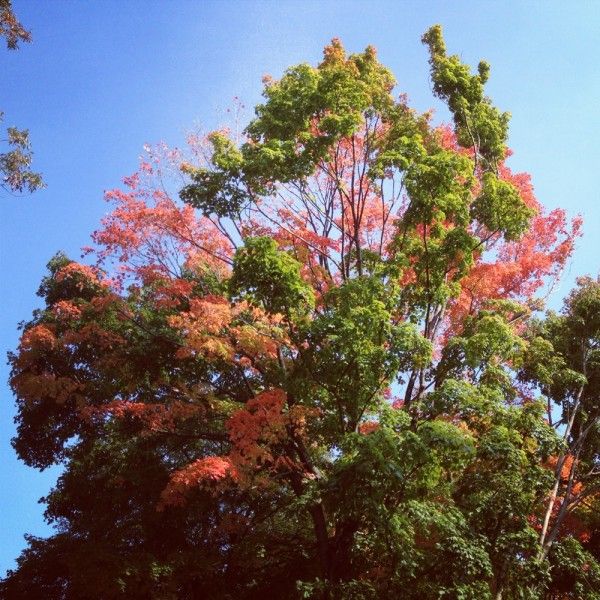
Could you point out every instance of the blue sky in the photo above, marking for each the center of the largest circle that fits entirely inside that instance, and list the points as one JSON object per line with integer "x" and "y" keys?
{"x": 102, "y": 78}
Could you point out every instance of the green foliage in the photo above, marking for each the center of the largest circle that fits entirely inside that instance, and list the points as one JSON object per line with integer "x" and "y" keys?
{"x": 355, "y": 351}
{"x": 271, "y": 278}
{"x": 218, "y": 191}
{"x": 575, "y": 572}
{"x": 500, "y": 208}
{"x": 257, "y": 408}
{"x": 479, "y": 124}
{"x": 15, "y": 172}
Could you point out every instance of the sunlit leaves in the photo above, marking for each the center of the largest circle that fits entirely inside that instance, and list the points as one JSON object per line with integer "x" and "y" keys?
{"x": 321, "y": 367}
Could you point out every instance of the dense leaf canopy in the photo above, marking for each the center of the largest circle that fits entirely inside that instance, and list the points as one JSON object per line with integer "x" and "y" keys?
{"x": 310, "y": 362}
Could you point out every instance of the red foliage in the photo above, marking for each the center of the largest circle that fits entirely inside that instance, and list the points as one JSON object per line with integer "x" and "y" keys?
{"x": 159, "y": 247}
{"x": 204, "y": 472}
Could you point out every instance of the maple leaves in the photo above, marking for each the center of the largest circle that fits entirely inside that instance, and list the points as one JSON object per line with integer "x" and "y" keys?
{"x": 261, "y": 421}
{"x": 10, "y": 28}
{"x": 202, "y": 472}
{"x": 321, "y": 336}
{"x": 148, "y": 234}
{"x": 255, "y": 433}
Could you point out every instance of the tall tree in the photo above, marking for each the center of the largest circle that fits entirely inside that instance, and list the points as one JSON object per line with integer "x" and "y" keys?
{"x": 315, "y": 377}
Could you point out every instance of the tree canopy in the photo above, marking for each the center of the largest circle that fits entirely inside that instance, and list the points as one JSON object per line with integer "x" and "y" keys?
{"x": 310, "y": 361}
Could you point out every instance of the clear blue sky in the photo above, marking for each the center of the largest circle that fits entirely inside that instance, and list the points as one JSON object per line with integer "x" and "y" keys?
{"x": 102, "y": 78}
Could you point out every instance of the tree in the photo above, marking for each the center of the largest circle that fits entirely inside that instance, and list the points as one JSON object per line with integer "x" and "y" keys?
{"x": 316, "y": 376}
{"x": 15, "y": 164}
{"x": 563, "y": 359}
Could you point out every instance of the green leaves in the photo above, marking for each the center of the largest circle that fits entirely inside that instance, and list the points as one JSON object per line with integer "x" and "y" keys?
{"x": 304, "y": 114}
{"x": 15, "y": 164}
{"x": 479, "y": 125}
{"x": 218, "y": 191}
{"x": 355, "y": 349}
{"x": 573, "y": 568}
{"x": 500, "y": 208}
{"x": 329, "y": 382}
{"x": 265, "y": 275}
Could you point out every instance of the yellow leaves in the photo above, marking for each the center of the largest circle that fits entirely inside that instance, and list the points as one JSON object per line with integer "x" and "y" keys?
{"x": 214, "y": 312}
{"x": 334, "y": 52}
{"x": 215, "y": 348}
{"x": 251, "y": 341}
{"x": 299, "y": 415}
{"x": 187, "y": 168}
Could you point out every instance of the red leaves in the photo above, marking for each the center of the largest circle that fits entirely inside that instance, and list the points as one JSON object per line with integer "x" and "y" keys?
{"x": 517, "y": 270}
{"x": 155, "y": 418}
{"x": 147, "y": 229}
{"x": 176, "y": 263}
{"x": 574, "y": 522}
{"x": 200, "y": 473}
{"x": 253, "y": 429}
{"x": 258, "y": 434}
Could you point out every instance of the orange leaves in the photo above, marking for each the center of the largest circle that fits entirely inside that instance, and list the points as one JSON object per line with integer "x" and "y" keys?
{"x": 258, "y": 334}
{"x": 567, "y": 466}
{"x": 77, "y": 271}
{"x": 368, "y": 427}
{"x": 215, "y": 329}
{"x": 252, "y": 430}
{"x": 95, "y": 334}
{"x": 50, "y": 354}
{"x": 65, "y": 310}
{"x": 213, "y": 311}
{"x": 35, "y": 342}
{"x": 38, "y": 337}
{"x": 204, "y": 472}
{"x": 202, "y": 327}
{"x": 574, "y": 521}
{"x": 153, "y": 416}
{"x": 259, "y": 434}
{"x": 31, "y": 386}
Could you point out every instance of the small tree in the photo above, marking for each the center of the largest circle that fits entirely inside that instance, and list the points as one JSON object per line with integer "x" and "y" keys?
{"x": 313, "y": 377}
{"x": 15, "y": 164}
